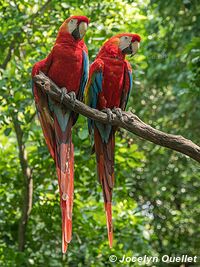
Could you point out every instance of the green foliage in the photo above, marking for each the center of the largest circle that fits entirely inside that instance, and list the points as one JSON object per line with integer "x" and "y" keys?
{"x": 156, "y": 197}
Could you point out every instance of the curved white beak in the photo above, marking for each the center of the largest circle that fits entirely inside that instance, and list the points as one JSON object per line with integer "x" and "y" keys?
{"x": 135, "y": 46}
{"x": 82, "y": 29}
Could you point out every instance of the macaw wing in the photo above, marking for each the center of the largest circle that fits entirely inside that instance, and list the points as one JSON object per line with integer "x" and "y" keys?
{"x": 43, "y": 110}
{"x": 128, "y": 80}
{"x": 94, "y": 87}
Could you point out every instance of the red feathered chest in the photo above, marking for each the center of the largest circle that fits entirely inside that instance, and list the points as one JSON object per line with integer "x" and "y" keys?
{"x": 113, "y": 81}
{"x": 66, "y": 66}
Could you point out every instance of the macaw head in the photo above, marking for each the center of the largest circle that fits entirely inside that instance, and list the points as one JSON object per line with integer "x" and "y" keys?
{"x": 122, "y": 44}
{"x": 129, "y": 43}
{"x": 76, "y": 26}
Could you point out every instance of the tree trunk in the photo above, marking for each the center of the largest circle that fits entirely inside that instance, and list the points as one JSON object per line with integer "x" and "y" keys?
{"x": 27, "y": 190}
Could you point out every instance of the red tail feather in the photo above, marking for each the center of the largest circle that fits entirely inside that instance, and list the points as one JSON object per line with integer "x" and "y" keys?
{"x": 108, "y": 208}
{"x": 105, "y": 168}
{"x": 41, "y": 102}
{"x": 65, "y": 172}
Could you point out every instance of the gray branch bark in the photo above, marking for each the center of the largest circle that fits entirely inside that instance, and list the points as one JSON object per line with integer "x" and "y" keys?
{"x": 130, "y": 121}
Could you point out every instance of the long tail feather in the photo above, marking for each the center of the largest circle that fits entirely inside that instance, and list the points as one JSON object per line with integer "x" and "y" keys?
{"x": 67, "y": 191}
{"x": 105, "y": 169}
{"x": 65, "y": 172}
{"x": 45, "y": 118}
{"x": 64, "y": 223}
{"x": 56, "y": 125}
{"x": 108, "y": 208}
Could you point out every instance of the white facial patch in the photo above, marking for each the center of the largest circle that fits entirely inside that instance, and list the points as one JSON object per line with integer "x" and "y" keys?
{"x": 135, "y": 46}
{"x": 72, "y": 24}
{"x": 82, "y": 29}
{"x": 124, "y": 42}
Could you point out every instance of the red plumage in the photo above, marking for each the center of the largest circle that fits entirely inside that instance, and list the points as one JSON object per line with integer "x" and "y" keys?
{"x": 105, "y": 169}
{"x": 114, "y": 71}
{"x": 65, "y": 66}
{"x": 109, "y": 87}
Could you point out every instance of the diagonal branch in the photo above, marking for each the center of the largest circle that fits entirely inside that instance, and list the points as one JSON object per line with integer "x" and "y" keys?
{"x": 131, "y": 122}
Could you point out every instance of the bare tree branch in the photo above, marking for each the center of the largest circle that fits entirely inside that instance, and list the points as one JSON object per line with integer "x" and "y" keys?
{"x": 130, "y": 121}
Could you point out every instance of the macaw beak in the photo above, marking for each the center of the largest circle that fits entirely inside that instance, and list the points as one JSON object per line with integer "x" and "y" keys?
{"x": 80, "y": 31}
{"x": 134, "y": 47}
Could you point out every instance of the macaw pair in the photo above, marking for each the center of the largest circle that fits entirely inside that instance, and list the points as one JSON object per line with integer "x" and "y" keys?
{"x": 107, "y": 88}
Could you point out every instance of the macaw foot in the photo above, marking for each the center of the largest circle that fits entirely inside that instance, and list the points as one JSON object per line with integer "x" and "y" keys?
{"x": 63, "y": 94}
{"x": 72, "y": 98}
{"x": 46, "y": 85}
{"x": 118, "y": 113}
{"x": 109, "y": 113}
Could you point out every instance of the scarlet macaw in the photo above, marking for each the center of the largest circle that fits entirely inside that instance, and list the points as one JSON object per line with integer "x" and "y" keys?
{"x": 67, "y": 65}
{"x": 109, "y": 85}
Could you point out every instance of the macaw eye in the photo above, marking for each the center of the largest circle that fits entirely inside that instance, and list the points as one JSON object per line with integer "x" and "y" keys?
{"x": 126, "y": 37}
{"x": 71, "y": 21}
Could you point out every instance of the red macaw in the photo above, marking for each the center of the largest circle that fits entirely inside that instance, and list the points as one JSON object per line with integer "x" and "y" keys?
{"x": 67, "y": 65}
{"x": 109, "y": 85}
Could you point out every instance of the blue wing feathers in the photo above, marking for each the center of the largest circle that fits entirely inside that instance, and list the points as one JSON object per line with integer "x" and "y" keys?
{"x": 85, "y": 73}
{"x": 94, "y": 90}
{"x": 130, "y": 85}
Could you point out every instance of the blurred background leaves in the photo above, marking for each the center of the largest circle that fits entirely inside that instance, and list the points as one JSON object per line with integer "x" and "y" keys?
{"x": 156, "y": 197}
